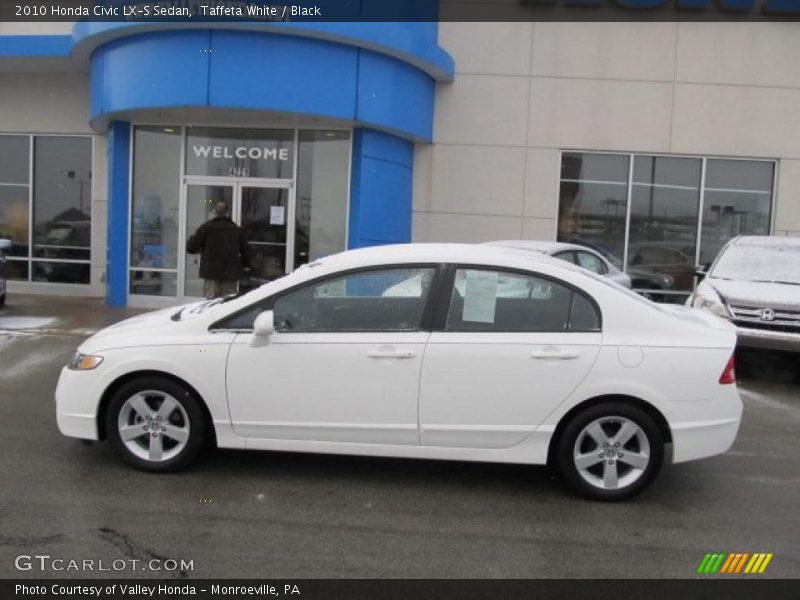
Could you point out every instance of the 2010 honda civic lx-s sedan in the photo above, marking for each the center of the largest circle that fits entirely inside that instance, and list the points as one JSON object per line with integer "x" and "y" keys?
{"x": 433, "y": 351}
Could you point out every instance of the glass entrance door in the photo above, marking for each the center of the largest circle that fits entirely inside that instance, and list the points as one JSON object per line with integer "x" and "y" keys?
{"x": 263, "y": 213}
{"x": 200, "y": 202}
{"x": 264, "y": 218}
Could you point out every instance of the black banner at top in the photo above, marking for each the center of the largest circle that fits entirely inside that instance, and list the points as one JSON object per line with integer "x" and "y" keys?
{"x": 198, "y": 11}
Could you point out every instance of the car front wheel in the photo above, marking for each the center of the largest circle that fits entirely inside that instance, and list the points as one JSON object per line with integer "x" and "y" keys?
{"x": 610, "y": 451}
{"x": 155, "y": 424}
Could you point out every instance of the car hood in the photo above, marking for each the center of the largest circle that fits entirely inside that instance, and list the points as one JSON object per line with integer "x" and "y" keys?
{"x": 698, "y": 317}
{"x": 140, "y": 330}
{"x": 758, "y": 294}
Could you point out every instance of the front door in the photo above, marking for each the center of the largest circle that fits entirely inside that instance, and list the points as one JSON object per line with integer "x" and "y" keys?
{"x": 263, "y": 211}
{"x": 343, "y": 364}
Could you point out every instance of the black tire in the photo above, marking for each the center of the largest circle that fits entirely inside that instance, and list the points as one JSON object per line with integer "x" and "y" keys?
{"x": 2, "y": 301}
{"x": 610, "y": 416}
{"x": 187, "y": 414}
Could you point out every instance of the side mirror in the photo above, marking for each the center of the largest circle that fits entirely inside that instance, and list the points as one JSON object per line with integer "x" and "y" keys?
{"x": 264, "y": 325}
{"x": 5, "y": 245}
{"x": 263, "y": 328}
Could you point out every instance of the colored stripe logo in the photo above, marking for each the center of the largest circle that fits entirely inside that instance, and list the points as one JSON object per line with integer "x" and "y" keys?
{"x": 734, "y": 563}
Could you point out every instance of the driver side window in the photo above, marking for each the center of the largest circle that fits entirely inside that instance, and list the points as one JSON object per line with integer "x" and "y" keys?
{"x": 375, "y": 300}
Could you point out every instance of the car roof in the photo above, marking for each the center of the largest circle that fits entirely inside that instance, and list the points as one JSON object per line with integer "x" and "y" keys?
{"x": 766, "y": 241}
{"x": 432, "y": 253}
{"x": 535, "y": 245}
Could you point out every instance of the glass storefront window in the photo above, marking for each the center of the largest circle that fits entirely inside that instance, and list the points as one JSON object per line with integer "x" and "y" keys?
{"x": 15, "y": 193}
{"x": 665, "y": 198}
{"x": 61, "y": 272}
{"x": 14, "y": 217}
{"x": 666, "y": 194}
{"x": 214, "y": 152}
{"x": 61, "y": 189}
{"x": 62, "y": 202}
{"x": 322, "y": 186}
{"x": 594, "y": 197}
{"x": 738, "y": 197}
{"x": 153, "y": 283}
{"x": 17, "y": 270}
{"x": 15, "y": 150}
{"x": 156, "y": 201}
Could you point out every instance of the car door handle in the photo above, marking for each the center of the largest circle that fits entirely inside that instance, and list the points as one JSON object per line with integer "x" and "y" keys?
{"x": 391, "y": 354}
{"x": 554, "y": 355}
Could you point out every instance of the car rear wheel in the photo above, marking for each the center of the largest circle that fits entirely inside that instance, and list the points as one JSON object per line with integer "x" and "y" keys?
{"x": 155, "y": 424}
{"x": 610, "y": 451}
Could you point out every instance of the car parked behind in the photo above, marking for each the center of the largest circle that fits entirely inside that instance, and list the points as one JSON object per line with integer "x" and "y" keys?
{"x": 573, "y": 253}
{"x": 755, "y": 283}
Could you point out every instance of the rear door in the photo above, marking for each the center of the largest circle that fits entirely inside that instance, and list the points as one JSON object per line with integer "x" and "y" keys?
{"x": 512, "y": 346}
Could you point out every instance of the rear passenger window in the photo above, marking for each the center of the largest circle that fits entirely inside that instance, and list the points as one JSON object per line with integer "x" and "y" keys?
{"x": 583, "y": 315}
{"x": 500, "y": 301}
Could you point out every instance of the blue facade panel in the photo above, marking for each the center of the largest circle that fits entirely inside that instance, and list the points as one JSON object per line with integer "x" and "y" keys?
{"x": 96, "y": 83}
{"x": 261, "y": 71}
{"x": 119, "y": 140}
{"x": 32, "y": 46}
{"x": 282, "y": 73}
{"x": 414, "y": 42}
{"x": 395, "y": 94}
{"x": 380, "y": 189}
{"x": 152, "y": 71}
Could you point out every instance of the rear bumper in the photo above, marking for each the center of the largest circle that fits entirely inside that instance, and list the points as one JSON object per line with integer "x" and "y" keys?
{"x": 713, "y": 429}
{"x": 691, "y": 441}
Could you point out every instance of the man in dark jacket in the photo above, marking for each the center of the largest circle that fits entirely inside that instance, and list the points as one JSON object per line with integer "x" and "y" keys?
{"x": 223, "y": 253}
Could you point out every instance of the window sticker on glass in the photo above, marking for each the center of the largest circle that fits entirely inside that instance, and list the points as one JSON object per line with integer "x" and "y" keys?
{"x": 480, "y": 296}
{"x": 277, "y": 215}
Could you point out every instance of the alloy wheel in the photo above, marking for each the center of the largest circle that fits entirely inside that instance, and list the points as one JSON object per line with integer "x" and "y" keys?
{"x": 153, "y": 426}
{"x": 611, "y": 453}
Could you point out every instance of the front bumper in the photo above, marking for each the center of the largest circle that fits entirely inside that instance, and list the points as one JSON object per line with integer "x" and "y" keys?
{"x": 77, "y": 402}
{"x": 765, "y": 339}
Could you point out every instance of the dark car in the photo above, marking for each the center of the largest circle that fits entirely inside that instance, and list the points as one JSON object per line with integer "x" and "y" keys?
{"x": 646, "y": 282}
{"x": 5, "y": 245}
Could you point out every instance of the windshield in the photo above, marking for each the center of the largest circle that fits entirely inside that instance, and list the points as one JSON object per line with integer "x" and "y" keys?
{"x": 772, "y": 264}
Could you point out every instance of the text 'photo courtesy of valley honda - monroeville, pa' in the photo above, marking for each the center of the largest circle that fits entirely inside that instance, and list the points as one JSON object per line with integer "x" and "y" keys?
{"x": 436, "y": 351}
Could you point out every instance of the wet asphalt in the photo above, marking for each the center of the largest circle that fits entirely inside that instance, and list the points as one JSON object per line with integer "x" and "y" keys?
{"x": 282, "y": 515}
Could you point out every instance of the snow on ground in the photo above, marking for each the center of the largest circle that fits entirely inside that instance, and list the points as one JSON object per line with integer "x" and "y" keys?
{"x": 21, "y": 362}
{"x": 27, "y": 322}
{"x": 26, "y": 326}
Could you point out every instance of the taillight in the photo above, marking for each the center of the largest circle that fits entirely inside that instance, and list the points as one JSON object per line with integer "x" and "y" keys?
{"x": 729, "y": 374}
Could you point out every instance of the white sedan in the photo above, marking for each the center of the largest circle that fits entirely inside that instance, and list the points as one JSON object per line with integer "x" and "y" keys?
{"x": 578, "y": 373}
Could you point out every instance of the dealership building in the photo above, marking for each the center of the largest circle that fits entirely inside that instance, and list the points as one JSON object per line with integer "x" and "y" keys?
{"x": 653, "y": 142}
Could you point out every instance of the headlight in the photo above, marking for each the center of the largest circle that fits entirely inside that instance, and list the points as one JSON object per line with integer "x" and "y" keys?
{"x": 706, "y": 298}
{"x": 84, "y": 362}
